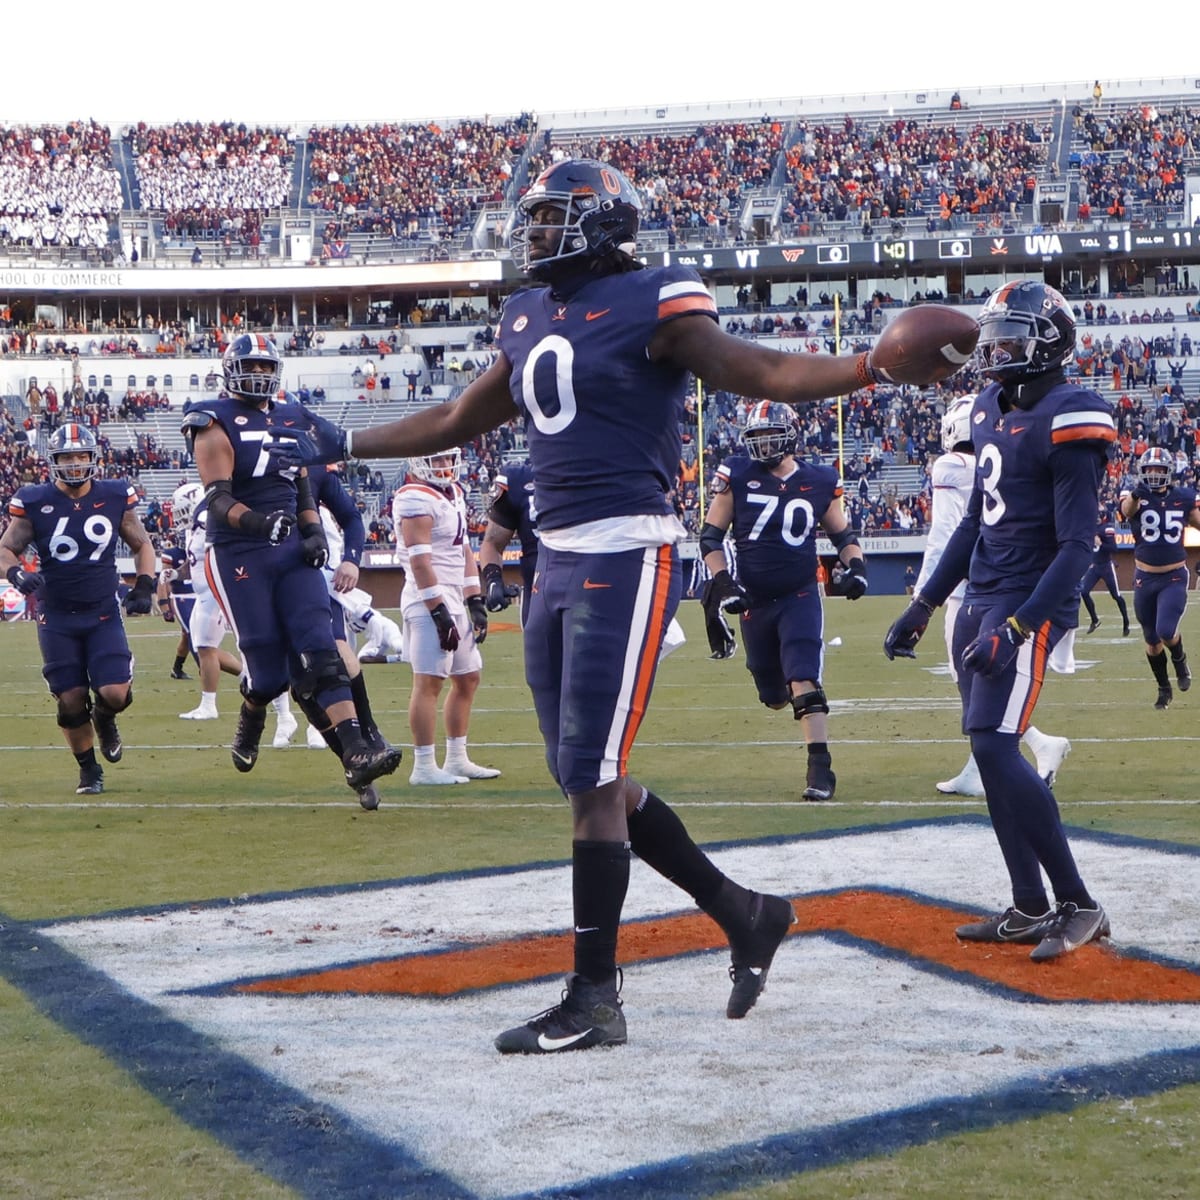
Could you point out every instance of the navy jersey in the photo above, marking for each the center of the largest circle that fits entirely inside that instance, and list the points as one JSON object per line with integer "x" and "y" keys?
{"x": 513, "y": 505}
{"x": 76, "y": 539}
{"x": 1037, "y": 478}
{"x": 1159, "y": 523}
{"x": 175, "y": 558}
{"x": 593, "y": 401}
{"x": 1105, "y": 544}
{"x": 249, "y": 431}
{"x": 775, "y": 523}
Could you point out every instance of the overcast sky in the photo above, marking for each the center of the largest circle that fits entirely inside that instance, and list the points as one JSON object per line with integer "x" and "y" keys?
{"x": 470, "y": 58}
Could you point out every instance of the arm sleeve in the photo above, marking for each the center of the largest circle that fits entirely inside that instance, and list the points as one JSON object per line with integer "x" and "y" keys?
{"x": 345, "y": 512}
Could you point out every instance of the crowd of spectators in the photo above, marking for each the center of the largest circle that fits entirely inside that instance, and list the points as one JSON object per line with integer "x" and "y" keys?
{"x": 58, "y": 185}
{"x": 401, "y": 180}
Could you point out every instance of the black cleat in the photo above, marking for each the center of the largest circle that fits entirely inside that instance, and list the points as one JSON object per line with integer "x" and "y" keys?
{"x": 1125, "y": 629}
{"x": 1164, "y": 697}
{"x": 1094, "y": 625}
{"x": 244, "y": 750}
{"x": 588, "y": 1015}
{"x": 1183, "y": 676}
{"x": 368, "y": 797}
{"x": 91, "y": 781}
{"x": 110, "y": 737}
{"x": 821, "y": 782}
{"x": 180, "y": 675}
{"x": 1070, "y": 928}
{"x": 368, "y": 764}
{"x": 755, "y": 925}
{"x": 1012, "y": 925}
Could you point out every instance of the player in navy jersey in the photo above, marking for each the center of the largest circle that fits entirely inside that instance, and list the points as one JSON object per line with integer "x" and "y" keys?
{"x": 1157, "y": 514}
{"x": 1041, "y": 448}
{"x": 1101, "y": 570}
{"x": 173, "y": 582}
{"x": 76, "y": 521}
{"x": 773, "y": 503}
{"x": 512, "y": 511}
{"x": 265, "y": 549}
{"x": 597, "y": 357}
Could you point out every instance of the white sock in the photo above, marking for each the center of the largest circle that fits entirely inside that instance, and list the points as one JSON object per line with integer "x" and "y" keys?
{"x": 423, "y": 752}
{"x": 1031, "y": 737}
{"x": 208, "y": 699}
{"x": 280, "y": 705}
{"x": 456, "y": 747}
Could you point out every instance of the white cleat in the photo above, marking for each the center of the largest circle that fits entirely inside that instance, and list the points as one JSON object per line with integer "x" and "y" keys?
{"x": 423, "y": 775}
{"x": 285, "y": 728}
{"x": 965, "y": 783}
{"x": 1050, "y": 753}
{"x": 314, "y": 739}
{"x": 200, "y": 714}
{"x": 469, "y": 770}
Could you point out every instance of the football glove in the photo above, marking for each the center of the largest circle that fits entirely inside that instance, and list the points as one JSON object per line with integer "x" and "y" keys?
{"x": 721, "y": 594}
{"x": 313, "y": 545}
{"x": 477, "y": 611}
{"x": 849, "y": 581}
{"x": 26, "y": 582}
{"x": 137, "y": 599}
{"x": 322, "y": 442}
{"x": 446, "y": 630}
{"x": 901, "y": 640}
{"x": 994, "y": 649}
{"x": 1142, "y": 492}
{"x": 493, "y": 586}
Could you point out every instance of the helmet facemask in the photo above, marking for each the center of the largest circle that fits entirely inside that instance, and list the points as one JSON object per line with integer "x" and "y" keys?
{"x": 770, "y": 434}
{"x": 73, "y": 440}
{"x": 1155, "y": 469}
{"x": 441, "y": 469}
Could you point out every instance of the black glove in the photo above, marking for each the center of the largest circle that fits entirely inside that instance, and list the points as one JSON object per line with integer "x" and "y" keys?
{"x": 26, "y": 582}
{"x": 992, "y": 651}
{"x": 850, "y": 580}
{"x": 167, "y": 610}
{"x": 479, "y": 618}
{"x": 313, "y": 545}
{"x": 271, "y": 527}
{"x": 1142, "y": 492}
{"x": 447, "y": 631}
{"x": 721, "y": 594}
{"x": 322, "y": 442}
{"x": 137, "y": 599}
{"x": 493, "y": 586}
{"x": 902, "y": 638}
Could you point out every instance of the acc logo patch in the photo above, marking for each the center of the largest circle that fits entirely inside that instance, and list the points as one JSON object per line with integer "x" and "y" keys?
{"x": 370, "y": 1011}
{"x": 520, "y": 324}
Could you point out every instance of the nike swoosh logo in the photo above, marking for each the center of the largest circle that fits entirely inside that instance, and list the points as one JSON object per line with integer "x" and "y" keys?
{"x": 1018, "y": 429}
{"x": 595, "y": 316}
{"x": 242, "y": 757}
{"x": 549, "y": 1043}
{"x": 588, "y": 585}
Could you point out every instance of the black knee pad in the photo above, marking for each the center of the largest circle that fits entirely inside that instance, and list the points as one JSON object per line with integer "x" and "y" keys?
{"x": 320, "y": 671}
{"x": 103, "y": 704}
{"x": 74, "y": 719}
{"x": 258, "y": 699}
{"x": 809, "y": 702}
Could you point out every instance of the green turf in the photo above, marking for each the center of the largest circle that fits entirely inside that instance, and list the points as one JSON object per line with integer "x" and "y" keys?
{"x": 177, "y": 823}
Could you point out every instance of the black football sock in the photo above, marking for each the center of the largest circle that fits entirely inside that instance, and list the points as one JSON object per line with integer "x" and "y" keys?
{"x": 180, "y": 659}
{"x": 349, "y": 735}
{"x": 817, "y": 748}
{"x": 86, "y": 758}
{"x": 1158, "y": 664}
{"x": 1090, "y": 606}
{"x": 362, "y": 706}
{"x": 1124, "y": 611}
{"x": 659, "y": 839}
{"x": 599, "y": 881}
{"x": 1177, "y": 653}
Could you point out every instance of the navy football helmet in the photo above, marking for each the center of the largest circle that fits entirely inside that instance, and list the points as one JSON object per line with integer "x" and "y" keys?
{"x": 1155, "y": 468}
{"x": 73, "y": 439}
{"x": 600, "y": 211}
{"x": 241, "y": 381}
{"x": 772, "y": 432}
{"x": 1025, "y": 329}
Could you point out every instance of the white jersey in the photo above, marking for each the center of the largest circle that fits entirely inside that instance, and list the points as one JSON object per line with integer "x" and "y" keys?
{"x": 195, "y": 553}
{"x": 953, "y": 478}
{"x": 449, "y": 512}
{"x": 334, "y": 536}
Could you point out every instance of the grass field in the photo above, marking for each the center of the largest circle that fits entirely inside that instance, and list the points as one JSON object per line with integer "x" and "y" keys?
{"x": 177, "y": 824}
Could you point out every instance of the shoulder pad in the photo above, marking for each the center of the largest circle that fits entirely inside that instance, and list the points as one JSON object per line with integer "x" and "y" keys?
{"x": 196, "y": 418}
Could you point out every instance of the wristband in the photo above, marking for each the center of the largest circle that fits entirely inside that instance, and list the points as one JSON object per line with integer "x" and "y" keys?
{"x": 430, "y": 593}
{"x": 419, "y": 549}
{"x": 164, "y": 604}
{"x": 348, "y": 435}
{"x": 1019, "y": 627}
{"x": 863, "y": 370}
{"x": 929, "y": 608}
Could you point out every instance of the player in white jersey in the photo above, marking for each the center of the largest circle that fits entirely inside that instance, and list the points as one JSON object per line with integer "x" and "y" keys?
{"x": 443, "y": 612}
{"x": 953, "y": 477}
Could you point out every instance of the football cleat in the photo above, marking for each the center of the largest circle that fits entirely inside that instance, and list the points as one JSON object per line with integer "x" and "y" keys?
{"x": 91, "y": 781}
{"x": 588, "y": 1015}
{"x": 1050, "y": 753}
{"x": 285, "y": 728}
{"x": 966, "y": 783}
{"x": 368, "y": 764}
{"x": 110, "y": 737}
{"x": 463, "y": 766}
{"x": 1095, "y": 624}
{"x": 1183, "y": 675}
{"x": 368, "y": 797}
{"x": 180, "y": 675}
{"x": 1070, "y": 927}
{"x": 1164, "y": 697}
{"x": 1125, "y": 629}
{"x": 755, "y": 925}
{"x": 1012, "y": 925}
{"x": 244, "y": 750}
{"x": 431, "y": 774}
{"x": 204, "y": 712}
{"x": 313, "y": 738}
{"x": 821, "y": 782}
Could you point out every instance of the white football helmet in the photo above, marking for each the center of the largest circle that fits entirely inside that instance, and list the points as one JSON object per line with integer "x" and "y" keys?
{"x": 956, "y": 422}
{"x": 441, "y": 469}
{"x": 183, "y": 503}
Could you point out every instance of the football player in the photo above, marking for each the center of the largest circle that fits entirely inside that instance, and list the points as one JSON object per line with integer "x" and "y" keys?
{"x": 511, "y": 512}
{"x": 172, "y": 582}
{"x": 1023, "y": 544}
{"x": 1101, "y": 570}
{"x": 953, "y": 478}
{"x": 1157, "y": 513}
{"x": 75, "y": 521}
{"x": 597, "y": 357}
{"x": 444, "y": 616}
{"x": 265, "y": 549}
{"x": 773, "y": 505}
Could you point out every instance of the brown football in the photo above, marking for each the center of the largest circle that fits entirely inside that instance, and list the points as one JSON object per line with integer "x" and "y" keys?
{"x": 924, "y": 344}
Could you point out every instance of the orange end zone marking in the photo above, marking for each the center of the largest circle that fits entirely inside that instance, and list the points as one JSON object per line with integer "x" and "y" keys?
{"x": 914, "y": 928}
